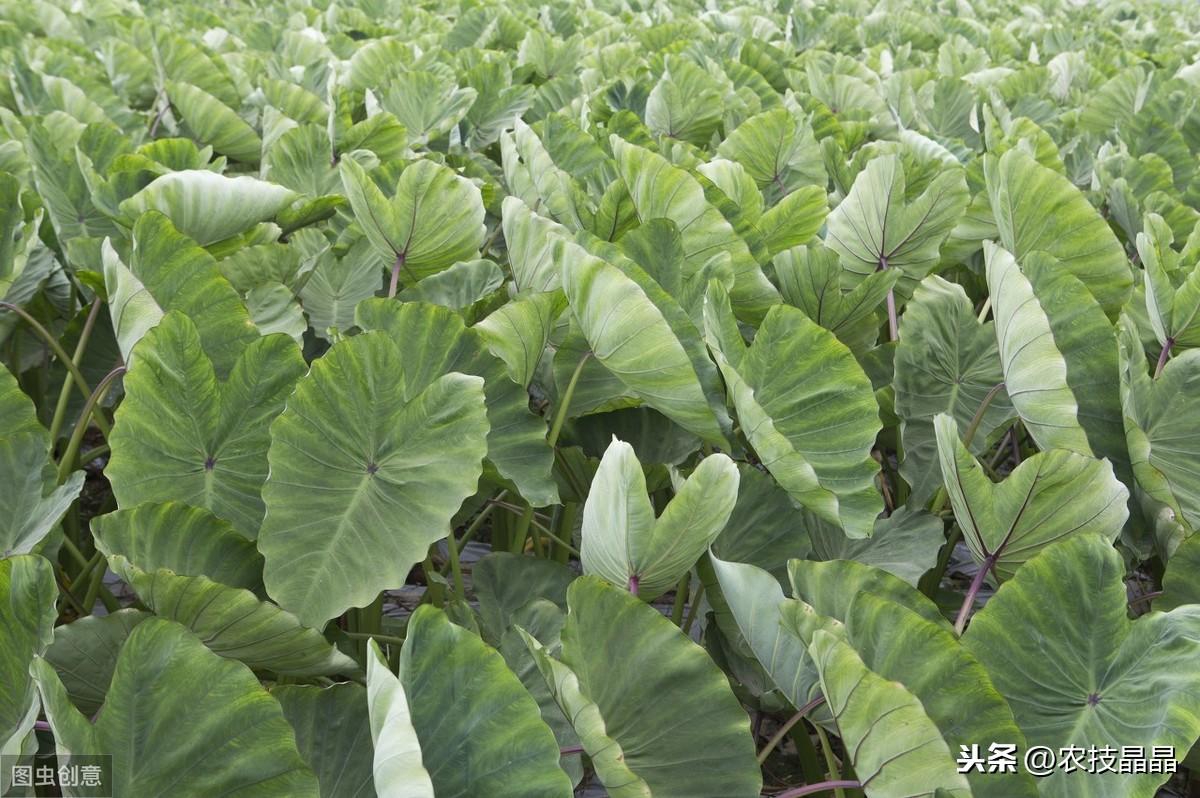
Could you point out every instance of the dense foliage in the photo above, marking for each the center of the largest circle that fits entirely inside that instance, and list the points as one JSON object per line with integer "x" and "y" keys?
{"x": 642, "y": 398}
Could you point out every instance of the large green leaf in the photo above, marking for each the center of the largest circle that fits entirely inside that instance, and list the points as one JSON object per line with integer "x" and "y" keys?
{"x": 190, "y": 541}
{"x": 332, "y": 732}
{"x": 765, "y": 528}
{"x": 897, "y": 751}
{"x": 433, "y": 219}
{"x": 214, "y": 123}
{"x": 532, "y": 240}
{"x": 831, "y": 587}
{"x": 905, "y": 543}
{"x": 176, "y": 558}
{"x": 433, "y": 341}
{"x": 480, "y": 732}
{"x": 877, "y": 227}
{"x": 660, "y": 697}
{"x": 1172, "y": 288}
{"x": 608, "y": 759}
{"x": 946, "y": 362}
{"x": 685, "y": 103}
{"x": 1035, "y": 371}
{"x": 1161, "y": 425}
{"x": 505, "y": 583}
{"x": 1179, "y": 582}
{"x": 952, "y": 686}
{"x": 427, "y": 104}
{"x": 812, "y": 422}
{"x": 810, "y": 278}
{"x": 209, "y": 207}
{"x": 27, "y": 617}
{"x": 84, "y": 654}
{"x": 755, "y": 599}
{"x": 778, "y": 151}
{"x": 794, "y": 220}
{"x": 130, "y": 304}
{"x": 645, "y": 339}
{"x": 364, "y": 475}
{"x": 1047, "y": 497}
{"x": 518, "y": 331}
{"x": 237, "y": 744}
{"x": 1101, "y": 680}
{"x": 1037, "y": 209}
{"x": 396, "y": 767}
{"x": 33, "y": 502}
{"x": 181, "y": 435}
{"x": 624, "y": 543}
{"x": 180, "y": 275}
{"x": 662, "y": 191}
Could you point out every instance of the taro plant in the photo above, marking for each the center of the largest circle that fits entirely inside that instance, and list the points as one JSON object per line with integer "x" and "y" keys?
{"x": 654, "y": 400}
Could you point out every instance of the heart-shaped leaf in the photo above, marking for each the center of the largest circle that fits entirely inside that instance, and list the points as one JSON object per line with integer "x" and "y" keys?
{"x": 657, "y": 694}
{"x": 480, "y": 732}
{"x": 1104, "y": 681}
{"x": 32, "y": 502}
{"x": 209, "y": 207}
{"x": 397, "y": 768}
{"x": 624, "y": 543}
{"x": 433, "y": 219}
{"x": 617, "y": 304}
{"x": 662, "y": 191}
{"x": 434, "y": 341}
{"x": 353, "y": 447}
{"x": 877, "y": 227}
{"x": 1038, "y": 210}
{"x": 1160, "y": 425}
{"x": 946, "y": 362}
{"x": 27, "y": 617}
{"x": 1050, "y": 496}
{"x": 181, "y": 435}
{"x": 164, "y": 673}
{"x": 813, "y": 422}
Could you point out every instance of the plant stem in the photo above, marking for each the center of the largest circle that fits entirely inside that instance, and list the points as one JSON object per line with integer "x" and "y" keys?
{"x": 973, "y": 427}
{"x": 960, "y": 622}
{"x": 460, "y": 588}
{"x": 787, "y": 727}
{"x": 564, "y": 545}
{"x": 633, "y": 584}
{"x": 521, "y": 531}
{"x": 564, "y": 530}
{"x": 474, "y": 527}
{"x": 987, "y": 305}
{"x": 67, "y": 463}
{"x": 681, "y": 594}
{"x": 564, "y": 403}
{"x": 691, "y": 616}
{"x": 1151, "y": 596}
{"x": 433, "y": 588}
{"x": 92, "y": 454}
{"x": 830, "y": 762}
{"x": 810, "y": 766}
{"x": 395, "y": 281}
{"x": 59, "y": 353}
{"x": 64, "y": 393}
{"x": 517, "y": 544}
{"x": 66, "y": 591}
{"x": 396, "y": 641}
{"x": 95, "y": 583}
{"x": 824, "y": 786}
{"x": 1163, "y": 357}
{"x": 893, "y": 321}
